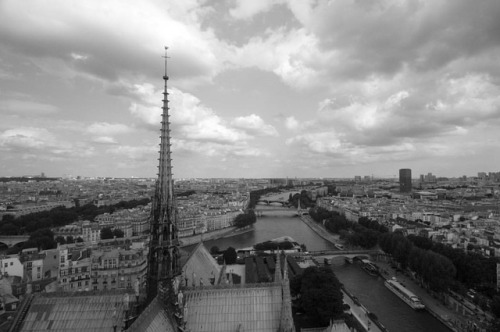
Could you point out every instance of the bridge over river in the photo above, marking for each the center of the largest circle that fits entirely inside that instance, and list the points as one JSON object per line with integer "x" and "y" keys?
{"x": 11, "y": 240}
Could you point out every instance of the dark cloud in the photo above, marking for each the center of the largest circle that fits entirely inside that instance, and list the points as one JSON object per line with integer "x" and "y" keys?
{"x": 382, "y": 38}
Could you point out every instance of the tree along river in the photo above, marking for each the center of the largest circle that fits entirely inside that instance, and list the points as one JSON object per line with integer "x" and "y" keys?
{"x": 392, "y": 312}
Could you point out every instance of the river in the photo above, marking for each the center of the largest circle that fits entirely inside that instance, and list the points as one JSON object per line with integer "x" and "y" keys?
{"x": 393, "y": 313}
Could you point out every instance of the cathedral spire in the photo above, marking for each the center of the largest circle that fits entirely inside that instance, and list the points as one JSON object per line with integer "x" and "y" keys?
{"x": 163, "y": 260}
{"x": 277, "y": 271}
{"x": 286, "y": 321}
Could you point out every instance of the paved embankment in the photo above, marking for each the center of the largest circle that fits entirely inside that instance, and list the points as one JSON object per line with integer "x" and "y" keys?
{"x": 217, "y": 234}
{"x": 361, "y": 314}
{"x": 320, "y": 230}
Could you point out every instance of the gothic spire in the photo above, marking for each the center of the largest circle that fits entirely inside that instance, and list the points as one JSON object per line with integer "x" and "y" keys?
{"x": 163, "y": 264}
{"x": 286, "y": 321}
{"x": 277, "y": 271}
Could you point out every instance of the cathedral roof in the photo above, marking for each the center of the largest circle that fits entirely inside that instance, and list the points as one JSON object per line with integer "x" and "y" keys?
{"x": 153, "y": 319}
{"x": 76, "y": 312}
{"x": 254, "y": 307}
{"x": 200, "y": 265}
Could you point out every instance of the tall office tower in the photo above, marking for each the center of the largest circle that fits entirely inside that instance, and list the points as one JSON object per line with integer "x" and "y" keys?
{"x": 163, "y": 260}
{"x": 405, "y": 180}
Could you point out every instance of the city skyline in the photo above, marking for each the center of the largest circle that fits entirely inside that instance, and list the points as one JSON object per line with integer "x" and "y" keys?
{"x": 258, "y": 89}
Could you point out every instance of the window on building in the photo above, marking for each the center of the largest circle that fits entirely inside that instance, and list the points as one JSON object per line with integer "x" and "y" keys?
{"x": 6, "y": 264}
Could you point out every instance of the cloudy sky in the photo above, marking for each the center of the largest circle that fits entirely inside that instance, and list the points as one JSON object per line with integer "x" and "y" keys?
{"x": 258, "y": 88}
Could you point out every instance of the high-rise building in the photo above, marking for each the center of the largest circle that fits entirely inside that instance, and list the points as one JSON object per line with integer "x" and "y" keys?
{"x": 405, "y": 180}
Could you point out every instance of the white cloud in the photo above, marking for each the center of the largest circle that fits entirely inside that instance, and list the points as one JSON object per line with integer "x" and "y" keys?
{"x": 42, "y": 143}
{"x": 292, "y": 55}
{"x": 113, "y": 40}
{"x": 105, "y": 128}
{"x": 291, "y": 123}
{"x": 104, "y": 140}
{"x": 190, "y": 119}
{"x": 247, "y": 9}
{"x": 254, "y": 125}
{"x": 135, "y": 153}
{"x": 214, "y": 149}
{"x": 27, "y": 107}
{"x": 27, "y": 137}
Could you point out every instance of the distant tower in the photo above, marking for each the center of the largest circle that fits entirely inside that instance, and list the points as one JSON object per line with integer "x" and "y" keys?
{"x": 405, "y": 180}
{"x": 163, "y": 259}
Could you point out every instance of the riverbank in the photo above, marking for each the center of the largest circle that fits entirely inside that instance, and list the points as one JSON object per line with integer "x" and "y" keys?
{"x": 448, "y": 317}
{"x": 320, "y": 230}
{"x": 361, "y": 314}
{"x": 214, "y": 235}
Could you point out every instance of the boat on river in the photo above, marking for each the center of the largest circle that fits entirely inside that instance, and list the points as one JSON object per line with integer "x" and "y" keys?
{"x": 404, "y": 294}
{"x": 369, "y": 267}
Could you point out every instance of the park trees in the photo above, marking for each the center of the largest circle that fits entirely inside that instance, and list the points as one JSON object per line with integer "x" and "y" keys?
{"x": 230, "y": 255}
{"x": 106, "y": 233}
{"x": 245, "y": 219}
{"x": 320, "y": 294}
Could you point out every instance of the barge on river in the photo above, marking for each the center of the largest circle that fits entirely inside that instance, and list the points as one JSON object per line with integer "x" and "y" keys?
{"x": 404, "y": 294}
{"x": 369, "y": 267}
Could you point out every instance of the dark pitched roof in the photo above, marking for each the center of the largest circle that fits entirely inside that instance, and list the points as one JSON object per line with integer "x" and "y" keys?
{"x": 153, "y": 319}
{"x": 219, "y": 309}
{"x": 76, "y": 312}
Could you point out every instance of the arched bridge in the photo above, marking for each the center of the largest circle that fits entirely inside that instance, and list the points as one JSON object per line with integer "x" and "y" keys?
{"x": 269, "y": 201}
{"x": 11, "y": 240}
{"x": 345, "y": 253}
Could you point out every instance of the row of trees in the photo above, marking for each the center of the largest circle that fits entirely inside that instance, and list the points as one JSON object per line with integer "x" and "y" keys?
{"x": 60, "y": 216}
{"x": 438, "y": 265}
{"x": 305, "y": 201}
{"x": 38, "y": 225}
{"x": 363, "y": 233}
{"x": 245, "y": 219}
{"x": 435, "y": 270}
{"x": 473, "y": 269}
